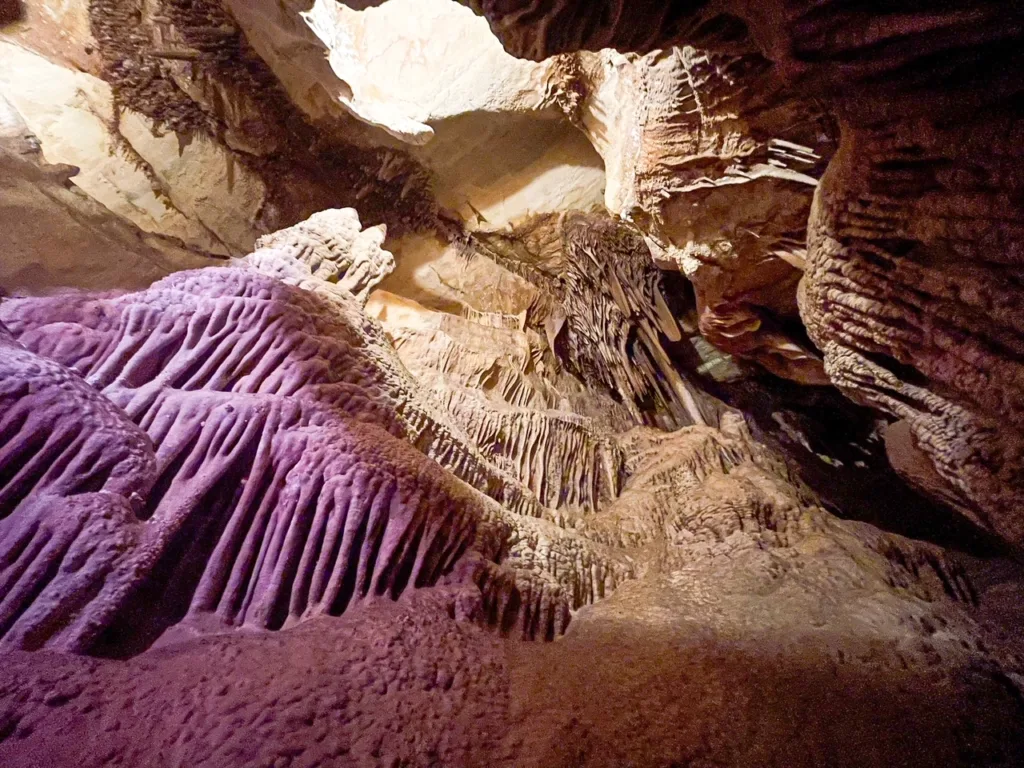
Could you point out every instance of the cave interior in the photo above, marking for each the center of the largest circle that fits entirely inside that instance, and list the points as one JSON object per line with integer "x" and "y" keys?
{"x": 526, "y": 383}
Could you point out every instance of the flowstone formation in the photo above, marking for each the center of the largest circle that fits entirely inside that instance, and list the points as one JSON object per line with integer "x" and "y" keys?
{"x": 240, "y": 448}
{"x": 913, "y": 247}
{"x": 715, "y": 162}
{"x": 376, "y": 390}
{"x": 243, "y": 466}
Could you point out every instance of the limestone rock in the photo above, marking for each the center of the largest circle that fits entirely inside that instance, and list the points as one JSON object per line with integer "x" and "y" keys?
{"x": 676, "y": 132}
{"x": 194, "y": 92}
{"x": 715, "y": 162}
{"x": 227, "y": 447}
{"x": 55, "y": 237}
{"x": 491, "y": 471}
{"x": 914, "y": 240}
{"x": 333, "y": 247}
{"x": 490, "y": 126}
{"x": 502, "y": 138}
{"x": 431, "y": 84}
{"x": 191, "y": 193}
{"x": 600, "y": 293}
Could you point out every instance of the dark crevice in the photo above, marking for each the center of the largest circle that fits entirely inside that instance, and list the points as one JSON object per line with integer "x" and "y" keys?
{"x": 846, "y": 464}
{"x": 162, "y": 599}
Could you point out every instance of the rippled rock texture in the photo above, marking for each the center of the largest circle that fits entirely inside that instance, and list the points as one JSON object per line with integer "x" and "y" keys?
{"x": 543, "y": 457}
{"x": 216, "y": 123}
{"x": 913, "y": 259}
{"x": 248, "y": 460}
{"x": 232, "y": 472}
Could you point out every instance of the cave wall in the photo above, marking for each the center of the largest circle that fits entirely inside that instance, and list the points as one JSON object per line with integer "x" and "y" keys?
{"x": 232, "y": 471}
{"x": 912, "y": 260}
{"x": 498, "y": 470}
{"x": 55, "y": 236}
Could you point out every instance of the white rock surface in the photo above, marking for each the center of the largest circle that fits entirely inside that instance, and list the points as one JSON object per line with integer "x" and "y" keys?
{"x": 193, "y": 194}
{"x": 409, "y": 62}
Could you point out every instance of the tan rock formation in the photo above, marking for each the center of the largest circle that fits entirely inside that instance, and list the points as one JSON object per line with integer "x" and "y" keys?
{"x": 427, "y": 76}
{"x": 600, "y": 292}
{"x": 913, "y": 245}
{"x": 190, "y": 71}
{"x": 334, "y": 247}
{"x": 478, "y": 475}
{"x": 186, "y": 192}
{"x": 55, "y": 237}
{"x": 715, "y": 163}
{"x": 679, "y": 134}
{"x": 244, "y": 462}
{"x": 499, "y": 136}
{"x": 494, "y": 132}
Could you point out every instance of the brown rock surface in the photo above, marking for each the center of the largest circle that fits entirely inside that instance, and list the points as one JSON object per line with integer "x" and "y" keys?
{"x": 501, "y": 478}
{"x": 913, "y": 251}
{"x": 227, "y": 478}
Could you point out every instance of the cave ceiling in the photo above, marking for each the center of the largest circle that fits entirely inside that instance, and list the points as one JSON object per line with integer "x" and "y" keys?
{"x": 511, "y": 382}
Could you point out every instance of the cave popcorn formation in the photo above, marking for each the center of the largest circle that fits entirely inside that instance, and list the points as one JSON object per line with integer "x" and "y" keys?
{"x": 565, "y": 384}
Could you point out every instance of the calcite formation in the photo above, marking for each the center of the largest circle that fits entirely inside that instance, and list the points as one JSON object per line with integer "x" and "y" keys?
{"x": 493, "y": 381}
{"x": 252, "y": 428}
{"x": 913, "y": 245}
{"x": 147, "y": 179}
{"x": 55, "y": 236}
{"x": 715, "y": 163}
{"x": 241, "y": 448}
{"x": 599, "y": 290}
{"x": 416, "y": 89}
{"x": 375, "y": 394}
